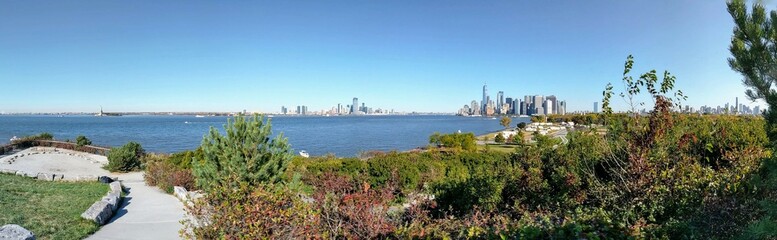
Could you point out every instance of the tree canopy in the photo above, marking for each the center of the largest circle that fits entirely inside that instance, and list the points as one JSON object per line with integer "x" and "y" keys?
{"x": 244, "y": 155}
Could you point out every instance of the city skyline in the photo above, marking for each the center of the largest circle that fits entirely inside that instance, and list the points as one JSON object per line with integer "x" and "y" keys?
{"x": 424, "y": 57}
{"x": 506, "y": 105}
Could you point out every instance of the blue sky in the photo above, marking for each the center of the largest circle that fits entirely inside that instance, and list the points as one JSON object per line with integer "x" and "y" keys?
{"x": 60, "y": 56}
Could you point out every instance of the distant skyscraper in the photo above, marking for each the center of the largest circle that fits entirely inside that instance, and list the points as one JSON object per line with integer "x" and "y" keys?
{"x": 553, "y": 108}
{"x": 509, "y": 101}
{"x": 536, "y": 106}
{"x": 500, "y": 100}
{"x": 596, "y": 107}
{"x": 526, "y": 105}
{"x": 562, "y": 108}
{"x": 524, "y": 108}
{"x": 355, "y": 106}
{"x": 284, "y": 110}
{"x": 484, "y": 103}
{"x": 737, "y": 105}
{"x": 548, "y": 107}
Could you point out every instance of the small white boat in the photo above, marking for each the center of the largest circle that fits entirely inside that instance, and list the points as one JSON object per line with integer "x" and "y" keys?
{"x": 199, "y": 116}
{"x": 304, "y": 154}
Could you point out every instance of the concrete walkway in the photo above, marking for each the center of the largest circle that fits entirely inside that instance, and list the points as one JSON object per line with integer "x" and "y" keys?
{"x": 146, "y": 213}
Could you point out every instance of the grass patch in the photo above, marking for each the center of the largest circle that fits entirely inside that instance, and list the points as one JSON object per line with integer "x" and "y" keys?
{"x": 504, "y": 148}
{"x": 51, "y": 210}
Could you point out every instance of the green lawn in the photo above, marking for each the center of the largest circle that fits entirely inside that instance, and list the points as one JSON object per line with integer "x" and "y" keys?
{"x": 499, "y": 148}
{"x": 51, "y": 210}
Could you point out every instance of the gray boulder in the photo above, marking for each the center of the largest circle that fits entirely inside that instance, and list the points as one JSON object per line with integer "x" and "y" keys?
{"x": 46, "y": 176}
{"x": 86, "y": 178}
{"x": 115, "y": 187}
{"x": 100, "y": 212}
{"x": 15, "y": 232}
{"x": 112, "y": 199}
{"x": 27, "y": 174}
{"x": 104, "y": 179}
{"x": 181, "y": 193}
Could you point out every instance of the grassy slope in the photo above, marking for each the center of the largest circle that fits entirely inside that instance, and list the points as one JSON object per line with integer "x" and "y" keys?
{"x": 51, "y": 210}
{"x": 503, "y": 148}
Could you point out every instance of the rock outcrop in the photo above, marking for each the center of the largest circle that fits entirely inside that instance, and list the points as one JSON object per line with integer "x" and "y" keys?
{"x": 15, "y": 232}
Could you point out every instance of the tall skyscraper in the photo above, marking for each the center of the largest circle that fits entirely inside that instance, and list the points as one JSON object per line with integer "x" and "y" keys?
{"x": 548, "y": 106}
{"x": 553, "y": 108}
{"x": 500, "y": 100}
{"x": 484, "y": 103}
{"x": 536, "y": 107}
{"x": 509, "y": 102}
{"x": 355, "y": 106}
{"x": 524, "y": 108}
{"x": 596, "y": 107}
{"x": 737, "y": 105}
{"x": 562, "y": 108}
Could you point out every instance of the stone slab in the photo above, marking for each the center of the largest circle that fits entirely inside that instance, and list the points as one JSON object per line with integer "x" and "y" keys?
{"x": 100, "y": 212}
{"x": 115, "y": 187}
{"x": 13, "y": 231}
{"x": 46, "y": 176}
{"x": 181, "y": 193}
{"x": 86, "y": 178}
{"x": 112, "y": 199}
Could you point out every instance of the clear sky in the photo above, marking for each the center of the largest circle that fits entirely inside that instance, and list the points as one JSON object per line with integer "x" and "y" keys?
{"x": 60, "y": 56}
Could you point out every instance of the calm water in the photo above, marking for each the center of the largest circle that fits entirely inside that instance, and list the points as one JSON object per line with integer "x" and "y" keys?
{"x": 343, "y": 136}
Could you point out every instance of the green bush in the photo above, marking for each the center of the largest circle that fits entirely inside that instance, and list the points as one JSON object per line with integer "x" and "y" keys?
{"x": 245, "y": 155}
{"x": 499, "y": 138}
{"x": 83, "y": 141}
{"x": 455, "y": 141}
{"x": 126, "y": 158}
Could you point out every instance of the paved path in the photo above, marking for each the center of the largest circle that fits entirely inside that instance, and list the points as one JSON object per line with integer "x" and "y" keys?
{"x": 146, "y": 213}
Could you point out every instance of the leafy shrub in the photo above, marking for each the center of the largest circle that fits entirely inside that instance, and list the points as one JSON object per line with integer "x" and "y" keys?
{"x": 81, "y": 141}
{"x": 350, "y": 210}
{"x": 125, "y": 158}
{"x": 499, "y": 138}
{"x": 165, "y": 175}
{"x": 29, "y": 141}
{"x": 262, "y": 211}
{"x": 455, "y": 141}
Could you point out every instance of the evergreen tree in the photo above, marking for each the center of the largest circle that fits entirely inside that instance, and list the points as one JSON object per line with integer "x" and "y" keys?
{"x": 754, "y": 55}
{"x": 245, "y": 155}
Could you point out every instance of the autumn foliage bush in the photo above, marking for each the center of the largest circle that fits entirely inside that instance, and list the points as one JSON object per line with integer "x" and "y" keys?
{"x": 265, "y": 211}
{"x": 166, "y": 176}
